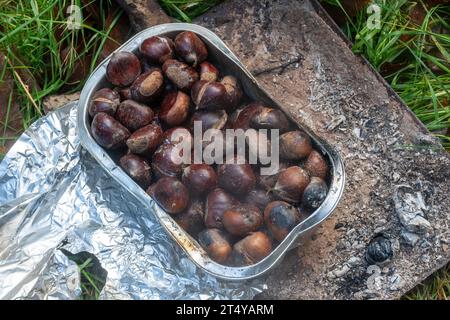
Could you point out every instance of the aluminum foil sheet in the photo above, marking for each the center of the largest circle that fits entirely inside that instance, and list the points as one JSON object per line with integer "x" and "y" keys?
{"x": 54, "y": 195}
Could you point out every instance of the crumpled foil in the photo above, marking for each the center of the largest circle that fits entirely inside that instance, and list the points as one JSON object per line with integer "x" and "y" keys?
{"x": 54, "y": 195}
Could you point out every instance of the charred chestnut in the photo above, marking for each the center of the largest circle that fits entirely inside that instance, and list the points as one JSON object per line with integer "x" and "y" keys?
{"x": 170, "y": 194}
{"x": 137, "y": 168}
{"x": 157, "y": 49}
{"x": 236, "y": 178}
{"x": 192, "y": 219}
{"x": 199, "y": 178}
{"x": 295, "y": 145}
{"x": 148, "y": 86}
{"x": 251, "y": 249}
{"x": 190, "y": 48}
{"x": 208, "y": 72}
{"x": 280, "y": 218}
{"x": 291, "y": 183}
{"x": 217, "y": 202}
{"x": 242, "y": 219}
{"x": 379, "y": 250}
{"x": 269, "y": 118}
{"x": 123, "y": 69}
{"x": 259, "y": 198}
{"x": 108, "y": 132}
{"x": 104, "y": 100}
{"x": 180, "y": 74}
{"x": 316, "y": 165}
{"x": 174, "y": 108}
{"x": 209, "y": 119}
{"x": 215, "y": 244}
{"x": 134, "y": 115}
{"x": 314, "y": 194}
{"x": 209, "y": 95}
{"x": 168, "y": 160}
{"x": 145, "y": 140}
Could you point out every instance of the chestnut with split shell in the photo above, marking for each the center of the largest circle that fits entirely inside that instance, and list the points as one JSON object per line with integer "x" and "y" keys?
{"x": 145, "y": 140}
{"x": 174, "y": 108}
{"x": 269, "y": 118}
{"x": 244, "y": 117}
{"x": 209, "y": 119}
{"x": 168, "y": 160}
{"x": 291, "y": 183}
{"x": 108, "y": 132}
{"x": 209, "y": 95}
{"x": 170, "y": 194}
{"x": 157, "y": 49}
{"x": 148, "y": 86}
{"x": 180, "y": 74}
{"x": 215, "y": 243}
{"x": 190, "y": 48}
{"x": 104, "y": 100}
{"x": 217, "y": 202}
{"x": 233, "y": 90}
{"x": 177, "y": 135}
{"x": 199, "y": 178}
{"x": 123, "y": 68}
{"x": 295, "y": 145}
{"x": 242, "y": 219}
{"x": 280, "y": 218}
{"x": 208, "y": 72}
{"x": 251, "y": 249}
{"x": 316, "y": 165}
{"x": 137, "y": 168}
{"x": 134, "y": 115}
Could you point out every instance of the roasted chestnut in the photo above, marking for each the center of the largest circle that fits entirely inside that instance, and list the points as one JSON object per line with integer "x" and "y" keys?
{"x": 180, "y": 74}
{"x": 190, "y": 48}
{"x": 170, "y": 194}
{"x": 192, "y": 219}
{"x": 208, "y": 72}
{"x": 125, "y": 93}
{"x": 291, "y": 183}
{"x": 178, "y": 134}
{"x": 269, "y": 118}
{"x": 157, "y": 49}
{"x": 314, "y": 194}
{"x": 236, "y": 178}
{"x": 199, "y": 178}
{"x": 209, "y": 95}
{"x": 233, "y": 91}
{"x": 251, "y": 249}
{"x": 148, "y": 86}
{"x": 259, "y": 198}
{"x": 316, "y": 165}
{"x": 268, "y": 181}
{"x": 137, "y": 168}
{"x": 145, "y": 140}
{"x": 108, "y": 132}
{"x": 216, "y": 203}
{"x": 280, "y": 218}
{"x": 168, "y": 160}
{"x": 123, "y": 68}
{"x": 244, "y": 117}
{"x": 295, "y": 145}
{"x": 104, "y": 100}
{"x": 209, "y": 119}
{"x": 134, "y": 115}
{"x": 215, "y": 244}
{"x": 174, "y": 108}
{"x": 242, "y": 219}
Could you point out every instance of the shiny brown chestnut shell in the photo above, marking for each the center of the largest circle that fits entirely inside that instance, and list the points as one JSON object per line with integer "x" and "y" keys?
{"x": 242, "y": 219}
{"x": 251, "y": 249}
{"x": 137, "y": 168}
{"x": 199, "y": 178}
{"x": 190, "y": 48}
{"x": 295, "y": 145}
{"x": 123, "y": 68}
{"x": 233, "y": 90}
{"x": 236, "y": 178}
{"x": 215, "y": 243}
{"x": 192, "y": 219}
{"x": 167, "y": 160}
{"x": 259, "y": 198}
{"x": 180, "y": 74}
{"x": 269, "y": 118}
{"x": 280, "y": 218}
{"x": 209, "y": 119}
{"x": 108, "y": 132}
{"x": 174, "y": 108}
{"x": 134, "y": 115}
{"x": 209, "y": 95}
{"x": 125, "y": 93}
{"x": 217, "y": 202}
{"x": 177, "y": 135}
{"x": 148, "y": 86}
{"x": 104, "y": 100}
{"x": 145, "y": 140}
{"x": 291, "y": 183}
{"x": 170, "y": 194}
{"x": 316, "y": 165}
{"x": 208, "y": 72}
{"x": 244, "y": 117}
{"x": 268, "y": 182}
{"x": 314, "y": 194}
{"x": 157, "y": 49}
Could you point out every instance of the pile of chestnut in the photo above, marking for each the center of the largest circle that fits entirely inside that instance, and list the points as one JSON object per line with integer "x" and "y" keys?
{"x": 236, "y": 214}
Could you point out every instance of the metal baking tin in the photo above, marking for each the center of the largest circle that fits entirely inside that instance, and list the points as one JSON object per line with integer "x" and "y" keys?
{"x": 222, "y": 56}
